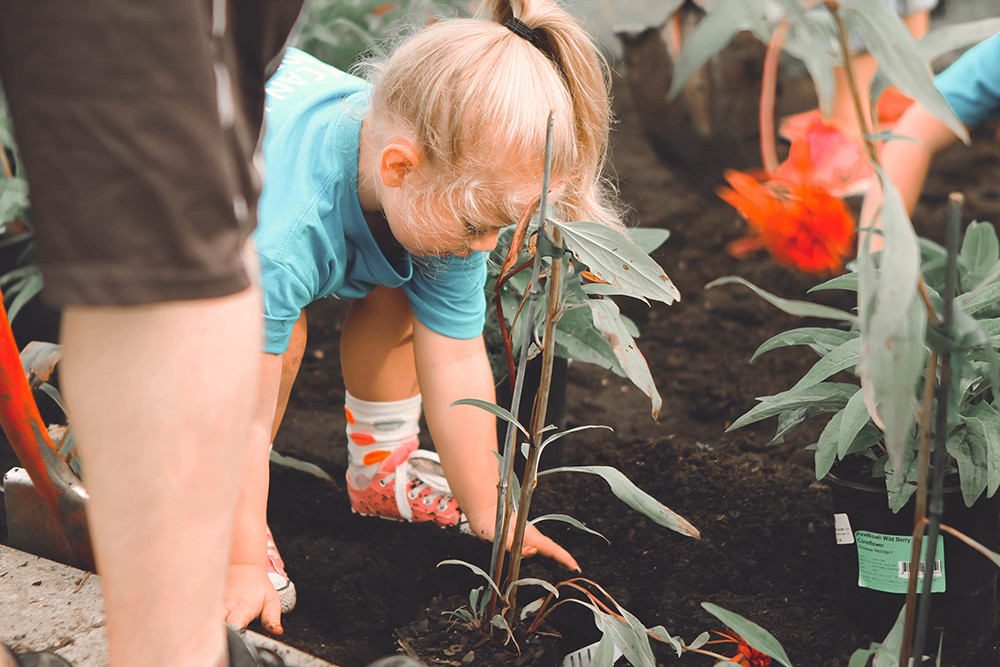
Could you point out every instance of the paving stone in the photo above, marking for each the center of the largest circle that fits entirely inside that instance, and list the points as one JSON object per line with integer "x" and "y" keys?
{"x": 48, "y": 606}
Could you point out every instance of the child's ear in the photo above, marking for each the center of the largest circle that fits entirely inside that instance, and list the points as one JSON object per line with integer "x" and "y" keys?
{"x": 397, "y": 160}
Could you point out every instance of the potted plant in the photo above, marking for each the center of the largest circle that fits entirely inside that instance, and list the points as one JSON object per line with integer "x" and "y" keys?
{"x": 869, "y": 489}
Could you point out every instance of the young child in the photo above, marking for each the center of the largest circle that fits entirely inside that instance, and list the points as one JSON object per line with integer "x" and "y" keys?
{"x": 391, "y": 194}
{"x": 971, "y": 86}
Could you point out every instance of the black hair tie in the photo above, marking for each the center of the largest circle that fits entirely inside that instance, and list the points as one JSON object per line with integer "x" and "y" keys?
{"x": 524, "y": 31}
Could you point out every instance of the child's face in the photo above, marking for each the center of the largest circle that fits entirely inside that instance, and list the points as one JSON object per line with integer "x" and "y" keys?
{"x": 424, "y": 226}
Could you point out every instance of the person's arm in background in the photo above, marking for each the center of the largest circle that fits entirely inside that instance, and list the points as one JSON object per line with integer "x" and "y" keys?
{"x": 971, "y": 86}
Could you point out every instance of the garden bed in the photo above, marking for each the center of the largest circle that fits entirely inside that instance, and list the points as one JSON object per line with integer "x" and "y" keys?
{"x": 765, "y": 521}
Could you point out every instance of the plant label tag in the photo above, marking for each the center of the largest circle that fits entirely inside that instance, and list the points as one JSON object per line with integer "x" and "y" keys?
{"x": 884, "y": 563}
{"x": 842, "y": 529}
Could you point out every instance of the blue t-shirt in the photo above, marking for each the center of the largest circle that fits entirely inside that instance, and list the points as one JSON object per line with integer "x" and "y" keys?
{"x": 312, "y": 235}
{"x": 972, "y": 84}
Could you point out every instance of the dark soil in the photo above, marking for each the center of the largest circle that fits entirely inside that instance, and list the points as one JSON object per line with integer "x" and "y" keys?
{"x": 767, "y": 533}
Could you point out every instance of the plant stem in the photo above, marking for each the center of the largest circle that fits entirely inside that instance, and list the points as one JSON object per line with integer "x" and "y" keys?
{"x": 920, "y": 508}
{"x": 7, "y": 171}
{"x": 955, "y": 203}
{"x": 505, "y": 504}
{"x": 852, "y": 82}
{"x": 768, "y": 91}
{"x": 530, "y": 481}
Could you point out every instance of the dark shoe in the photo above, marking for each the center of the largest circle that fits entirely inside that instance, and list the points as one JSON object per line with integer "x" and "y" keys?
{"x": 44, "y": 659}
{"x": 243, "y": 654}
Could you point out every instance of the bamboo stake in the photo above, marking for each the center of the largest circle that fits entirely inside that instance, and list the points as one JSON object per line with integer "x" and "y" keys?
{"x": 506, "y": 504}
{"x": 955, "y": 203}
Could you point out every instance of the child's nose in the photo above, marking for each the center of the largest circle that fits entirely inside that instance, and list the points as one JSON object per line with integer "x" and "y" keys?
{"x": 485, "y": 243}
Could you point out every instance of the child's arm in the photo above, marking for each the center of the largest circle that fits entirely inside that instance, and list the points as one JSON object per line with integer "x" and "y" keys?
{"x": 906, "y": 162}
{"x": 465, "y": 437}
{"x": 249, "y": 592}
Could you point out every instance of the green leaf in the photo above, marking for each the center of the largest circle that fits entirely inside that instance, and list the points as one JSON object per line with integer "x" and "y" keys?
{"x": 947, "y": 38}
{"x": 756, "y": 636}
{"x": 634, "y": 497}
{"x": 980, "y": 299}
{"x": 13, "y": 198}
{"x": 607, "y": 320}
{"x": 531, "y": 581}
{"x": 495, "y": 410}
{"x": 649, "y": 238}
{"x": 985, "y": 420}
{"x": 614, "y": 258}
{"x": 980, "y": 252}
{"x": 301, "y": 466}
{"x": 797, "y": 308}
{"x": 847, "y": 282}
{"x": 888, "y": 39}
{"x": 844, "y": 357}
{"x": 855, "y": 417}
{"x": 575, "y": 429}
{"x": 577, "y": 338}
{"x": 826, "y": 446}
{"x": 826, "y": 396}
{"x": 565, "y": 518}
{"x": 822, "y": 340}
{"x": 26, "y": 290}
{"x": 892, "y": 323}
{"x": 661, "y": 633}
{"x": 475, "y": 569}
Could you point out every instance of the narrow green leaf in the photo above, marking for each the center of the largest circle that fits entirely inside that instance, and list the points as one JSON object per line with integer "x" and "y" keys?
{"x": 649, "y": 238}
{"x": 301, "y": 466}
{"x": 844, "y": 357}
{"x": 797, "y": 308}
{"x": 576, "y": 429}
{"x": 821, "y": 339}
{"x": 475, "y": 569}
{"x": 825, "y": 396}
{"x": 826, "y": 446}
{"x": 495, "y": 409}
{"x": 979, "y": 254}
{"x": 607, "y": 320}
{"x": 984, "y": 419}
{"x": 756, "y": 636}
{"x": 855, "y": 417}
{"x": 532, "y": 581}
{"x": 634, "y": 497}
{"x": 888, "y": 39}
{"x": 565, "y": 518}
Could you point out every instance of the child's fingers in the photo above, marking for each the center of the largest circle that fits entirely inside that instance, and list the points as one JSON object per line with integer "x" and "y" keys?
{"x": 546, "y": 547}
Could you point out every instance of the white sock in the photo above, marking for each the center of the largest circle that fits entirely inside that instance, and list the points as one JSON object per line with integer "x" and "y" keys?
{"x": 375, "y": 429}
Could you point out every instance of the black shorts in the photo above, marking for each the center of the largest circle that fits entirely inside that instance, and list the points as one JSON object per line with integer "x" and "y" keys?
{"x": 137, "y": 122}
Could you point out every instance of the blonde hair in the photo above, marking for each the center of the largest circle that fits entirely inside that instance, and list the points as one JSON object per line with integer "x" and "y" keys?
{"x": 472, "y": 93}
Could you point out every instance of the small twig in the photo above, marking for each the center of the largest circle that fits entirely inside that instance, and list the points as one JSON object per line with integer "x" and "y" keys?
{"x": 8, "y": 171}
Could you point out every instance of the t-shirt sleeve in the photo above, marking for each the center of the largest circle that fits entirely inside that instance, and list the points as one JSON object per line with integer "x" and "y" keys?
{"x": 446, "y": 294}
{"x": 285, "y": 295}
{"x": 972, "y": 84}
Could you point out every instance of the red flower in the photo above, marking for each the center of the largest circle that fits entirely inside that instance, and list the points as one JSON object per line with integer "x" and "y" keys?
{"x": 746, "y": 655}
{"x": 793, "y": 216}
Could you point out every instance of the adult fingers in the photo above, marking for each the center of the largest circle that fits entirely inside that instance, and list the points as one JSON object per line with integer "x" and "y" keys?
{"x": 270, "y": 615}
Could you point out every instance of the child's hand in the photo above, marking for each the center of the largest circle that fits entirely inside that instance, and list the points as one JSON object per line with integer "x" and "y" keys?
{"x": 249, "y": 594}
{"x": 483, "y": 524}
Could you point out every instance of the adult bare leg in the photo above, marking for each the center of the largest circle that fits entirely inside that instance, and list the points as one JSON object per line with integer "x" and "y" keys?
{"x": 158, "y": 396}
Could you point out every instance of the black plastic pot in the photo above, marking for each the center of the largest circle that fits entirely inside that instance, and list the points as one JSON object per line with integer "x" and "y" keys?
{"x": 873, "y": 553}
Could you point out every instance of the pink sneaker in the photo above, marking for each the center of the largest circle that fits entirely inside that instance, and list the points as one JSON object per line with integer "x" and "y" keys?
{"x": 424, "y": 494}
{"x": 276, "y": 573}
